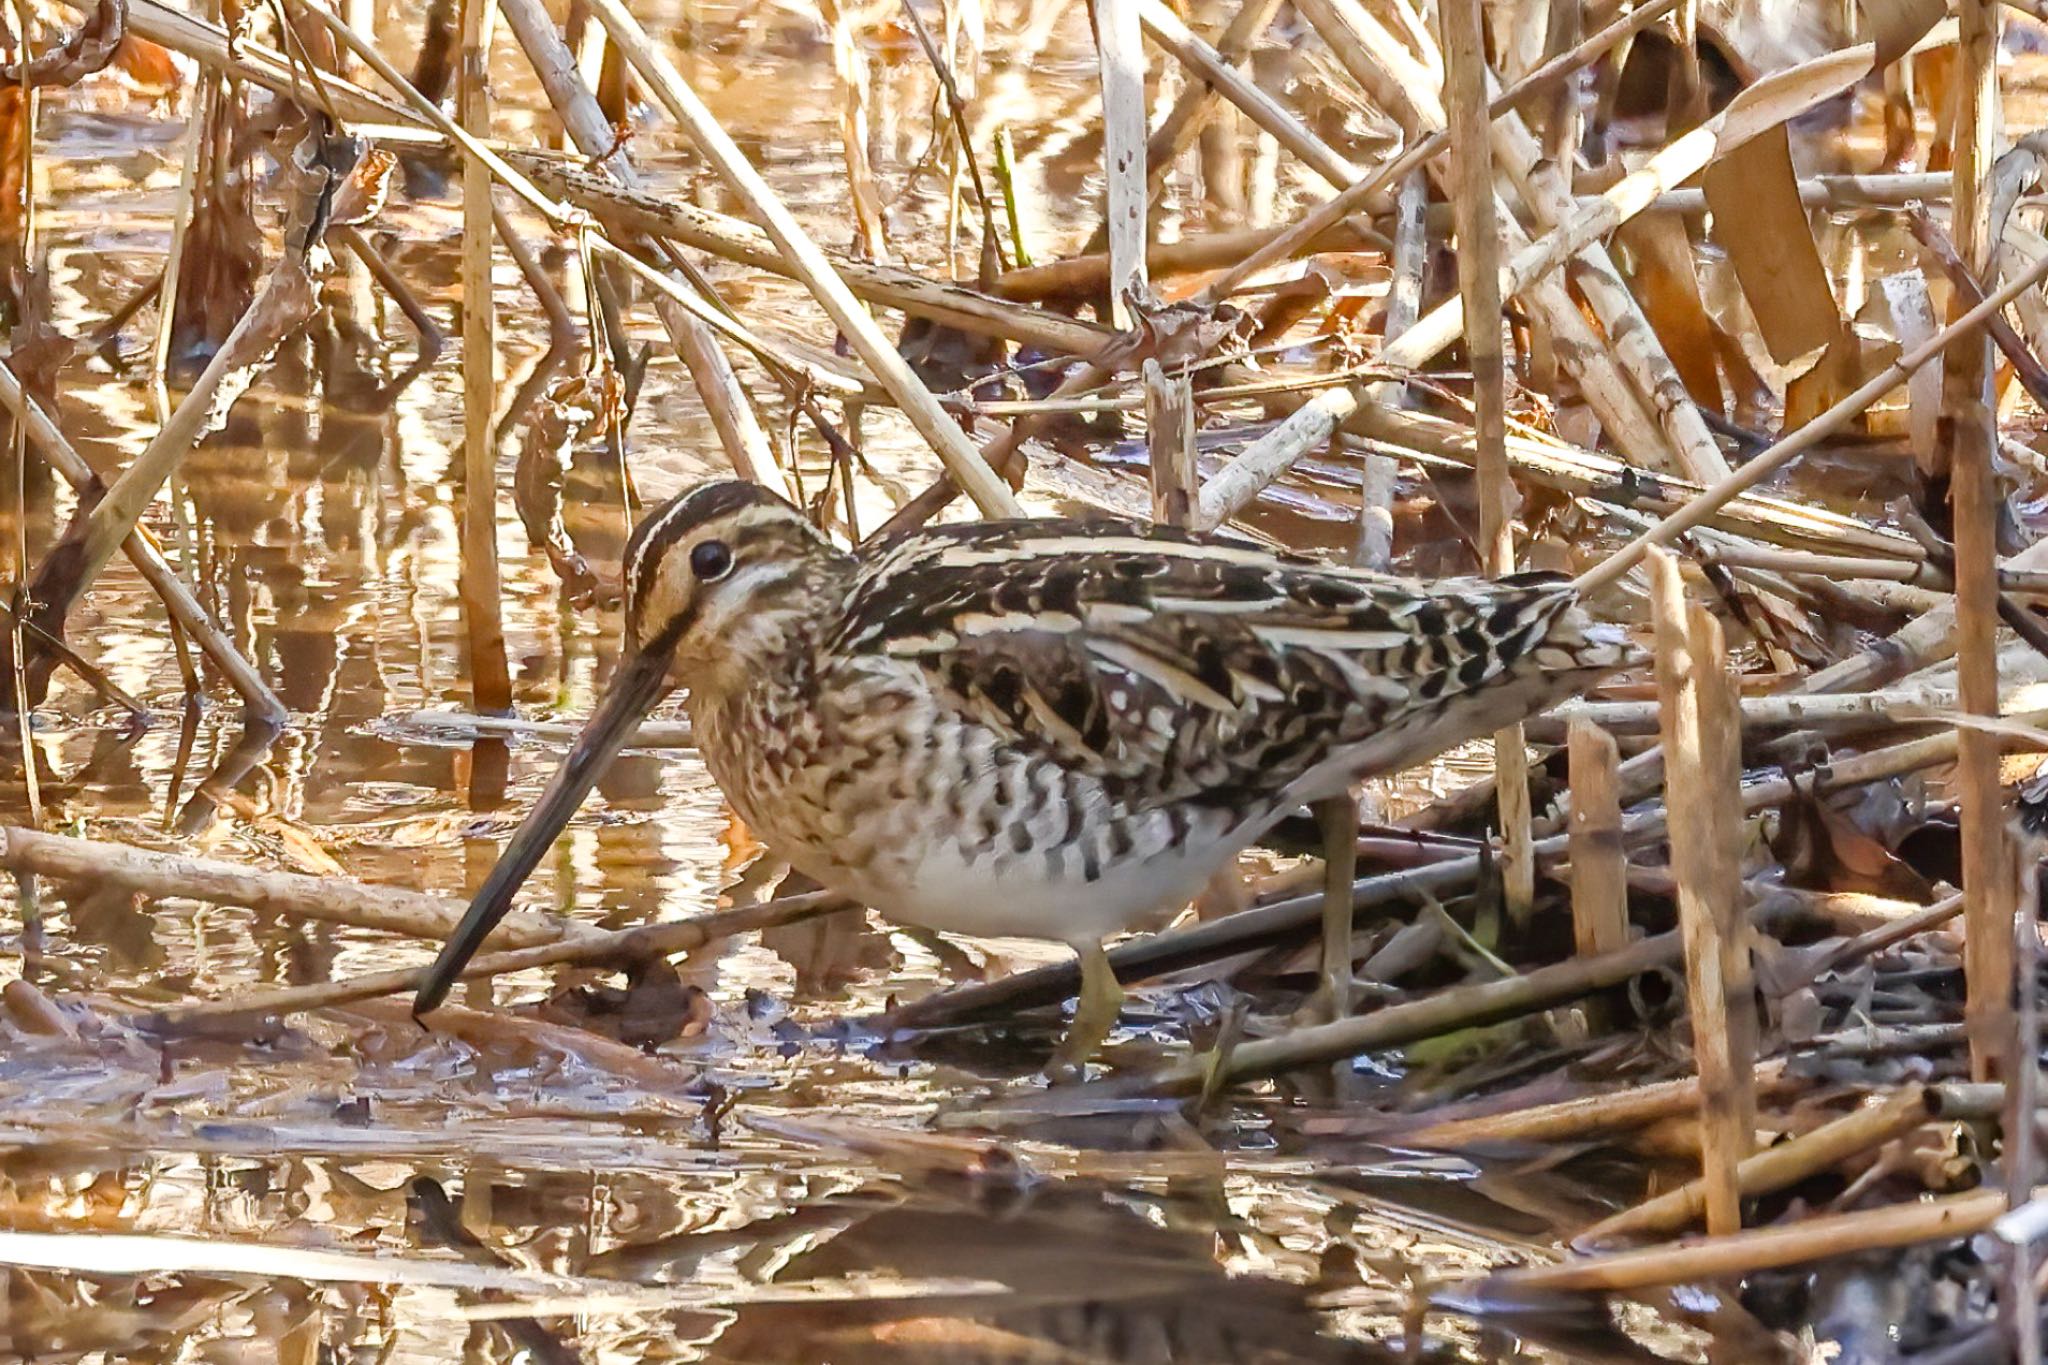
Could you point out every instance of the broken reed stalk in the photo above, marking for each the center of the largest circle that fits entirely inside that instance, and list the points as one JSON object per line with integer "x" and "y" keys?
{"x": 1120, "y": 59}
{"x": 1969, "y": 427}
{"x": 594, "y": 948}
{"x": 1170, "y": 440}
{"x": 1698, "y": 509}
{"x": 1478, "y": 257}
{"x": 1706, "y": 860}
{"x": 388, "y": 909}
{"x": 1599, "y": 862}
{"x": 630, "y": 210}
{"x": 1775, "y": 1168}
{"x": 1165, "y": 28}
{"x": 963, "y": 462}
{"x": 490, "y": 675}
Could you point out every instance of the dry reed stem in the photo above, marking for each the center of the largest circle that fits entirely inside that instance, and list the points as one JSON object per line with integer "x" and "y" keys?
{"x": 1369, "y": 193}
{"x": 1705, "y": 861}
{"x": 204, "y": 92}
{"x": 490, "y": 675}
{"x": 334, "y": 900}
{"x": 283, "y": 303}
{"x": 1120, "y": 60}
{"x": 1775, "y": 1168}
{"x": 631, "y": 210}
{"x": 427, "y": 111}
{"x": 1478, "y": 239}
{"x": 1599, "y": 862}
{"x": 1970, "y": 436}
{"x": 963, "y": 462}
{"x": 1927, "y": 639}
{"x": 590, "y": 948}
{"x": 1620, "y": 379}
{"x": 1408, "y": 1022}
{"x": 1588, "y": 1116}
{"x": 1328, "y": 229}
{"x": 1742, "y": 1253}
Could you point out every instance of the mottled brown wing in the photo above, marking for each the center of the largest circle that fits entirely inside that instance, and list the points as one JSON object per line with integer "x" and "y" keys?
{"x": 1177, "y": 667}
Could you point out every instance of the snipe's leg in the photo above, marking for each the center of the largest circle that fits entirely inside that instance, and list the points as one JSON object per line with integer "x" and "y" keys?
{"x": 1337, "y": 818}
{"x": 1095, "y": 1012}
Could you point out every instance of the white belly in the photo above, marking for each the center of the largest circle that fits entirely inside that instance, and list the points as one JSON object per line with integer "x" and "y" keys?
{"x": 1014, "y": 898}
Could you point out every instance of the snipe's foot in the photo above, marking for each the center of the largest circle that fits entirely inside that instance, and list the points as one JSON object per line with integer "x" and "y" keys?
{"x": 1095, "y": 1013}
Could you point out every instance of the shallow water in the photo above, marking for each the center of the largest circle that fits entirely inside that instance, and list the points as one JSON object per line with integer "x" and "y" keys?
{"x": 768, "y": 1191}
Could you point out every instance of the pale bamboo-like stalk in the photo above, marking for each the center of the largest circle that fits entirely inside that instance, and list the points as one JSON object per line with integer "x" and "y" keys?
{"x": 964, "y": 463}
{"x": 852, "y": 68}
{"x": 1972, "y": 431}
{"x": 1194, "y": 107}
{"x": 1165, "y": 28}
{"x": 204, "y": 92}
{"x": 1598, "y": 860}
{"x": 333, "y": 900}
{"x": 490, "y": 676}
{"x": 1707, "y": 887}
{"x": 1120, "y": 58}
{"x": 1464, "y": 42}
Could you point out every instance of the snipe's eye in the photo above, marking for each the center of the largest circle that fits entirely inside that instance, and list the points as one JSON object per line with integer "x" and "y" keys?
{"x": 711, "y": 560}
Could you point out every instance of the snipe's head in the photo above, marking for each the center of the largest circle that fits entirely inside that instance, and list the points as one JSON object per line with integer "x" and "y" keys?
{"x": 721, "y": 580}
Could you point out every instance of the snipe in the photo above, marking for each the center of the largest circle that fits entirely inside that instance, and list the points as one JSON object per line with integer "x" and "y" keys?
{"x": 1054, "y": 729}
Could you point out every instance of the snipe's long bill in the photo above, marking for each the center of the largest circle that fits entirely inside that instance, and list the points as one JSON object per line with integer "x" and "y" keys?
{"x": 1056, "y": 729}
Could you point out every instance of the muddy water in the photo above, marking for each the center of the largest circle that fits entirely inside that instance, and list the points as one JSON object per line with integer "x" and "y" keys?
{"x": 750, "y": 1197}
